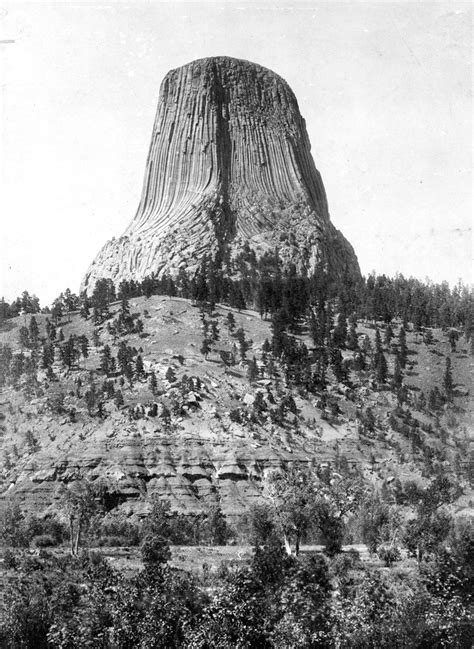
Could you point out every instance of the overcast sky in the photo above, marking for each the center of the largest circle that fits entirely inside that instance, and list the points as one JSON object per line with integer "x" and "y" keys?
{"x": 385, "y": 89}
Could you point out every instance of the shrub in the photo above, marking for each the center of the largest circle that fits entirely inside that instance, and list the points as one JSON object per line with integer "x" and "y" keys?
{"x": 49, "y": 526}
{"x": 113, "y": 541}
{"x": 388, "y": 554}
{"x": 236, "y": 416}
{"x": 13, "y": 528}
{"x": 155, "y": 550}
{"x": 45, "y": 541}
{"x": 124, "y": 532}
{"x": 343, "y": 562}
{"x": 10, "y": 560}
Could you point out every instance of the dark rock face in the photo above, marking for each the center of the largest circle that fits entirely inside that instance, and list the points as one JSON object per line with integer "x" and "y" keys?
{"x": 229, "y": 163}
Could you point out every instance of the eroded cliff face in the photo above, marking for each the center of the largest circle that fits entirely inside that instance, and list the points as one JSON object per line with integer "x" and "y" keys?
{"x": 229, "y": 155}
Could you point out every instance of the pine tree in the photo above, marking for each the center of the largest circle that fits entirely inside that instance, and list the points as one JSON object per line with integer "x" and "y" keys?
{"x": 153, "y": 383}
{"x": 129, "y": 373}
{"x": 402, "y": 347}
{"x": 279, "y": 322}
{"x": 381, "y": 370}
{"x": 230, "y": 321}
{"x": 124, "y": 289}
{"x": 95, "y": 338}
{"x": 104, "y": 293}
{"x": 448, "y": 383}
{"x": 182, "y": 283}
{"x": 56, "y": 312}
{"x": 316, "y": 329}
{"x": 119, "y": 399}
{"x": 378, "y": 341}
{"x": 205, "y": 348}
{"x": 125, "y": 320}
{"x": 125, "y": 307}
{"x": 453, "y": 337}
{"x": 337, "y": 365}
{"x": 200, "y": 291}
{"x": 69, "y": 352}
{"x": 110, "y": 389}
{"x": 47, "y": 357}
{"x": 24, "y": 337}
{"x": 402, "y": 395}
{"x": 169, "y": 285}
{"x": 170, "y": 375}
{"x": 33, "y": 332}
{"x": 84, "y": 312}
{"x": 422, "y": 401}
{"x": 359, "y": 362}
{"x": 428, "y": 337}
{"x": 397, "y": 374}
{"x": 366, "y": 346}
{"x": 84, "y": 345}
{"x": 244, "y": 345}
{"x": 124, "y": 358}
{"x": 16, "y": 368}
{"x": 139, "y": 367}
{"x": 105, "y": 360}
{"x": 339, "y": 334}
{"x": 321, "y": 370}
{"x": 352, "y": 341}
{"x": 388, "y": 336}
{"x": 252, "y": 370}
{"x": 214, "y": 331}
{"x": 236, "y": 297}
{"x": 91, "y": 398}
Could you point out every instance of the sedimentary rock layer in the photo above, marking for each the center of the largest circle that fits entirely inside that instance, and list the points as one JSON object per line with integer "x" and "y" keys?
{"x": 229, "y": 155}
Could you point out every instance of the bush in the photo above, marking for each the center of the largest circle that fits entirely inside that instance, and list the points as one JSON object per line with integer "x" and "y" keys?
{"x": 13, "y": 528}
{"x": 176, "y": 528}
{"x": 10, "y": 560}
{"x": 124, "y": 533}
{"x": 343, "y": 562}
{"x": 45, "y": 541}
{"x": 155, "y": 550}
{"x": 388, "y": 554}
{"x": 48, "y": 526}
{"x": 236, "y": 416}
{"x": 114, "y": 541}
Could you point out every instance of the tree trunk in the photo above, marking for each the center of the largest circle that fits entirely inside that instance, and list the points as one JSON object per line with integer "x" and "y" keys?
{"x": 71, "y": 533}
{"x": 287, "y": 545}
{"x": 78, "y": 536}
{"x": 297, "y": 544}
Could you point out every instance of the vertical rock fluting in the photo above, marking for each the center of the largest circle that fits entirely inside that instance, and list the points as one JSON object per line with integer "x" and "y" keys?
{"x": 229, "y": 155}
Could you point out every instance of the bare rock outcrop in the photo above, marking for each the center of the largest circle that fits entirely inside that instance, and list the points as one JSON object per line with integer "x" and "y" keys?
{"x": 229, "y": 162}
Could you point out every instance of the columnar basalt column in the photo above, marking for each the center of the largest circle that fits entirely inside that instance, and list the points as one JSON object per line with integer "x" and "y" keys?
{"x": 229, "y": 155}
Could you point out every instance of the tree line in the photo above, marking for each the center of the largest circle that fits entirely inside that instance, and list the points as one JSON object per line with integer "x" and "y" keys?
{"x": 265, "y": 285}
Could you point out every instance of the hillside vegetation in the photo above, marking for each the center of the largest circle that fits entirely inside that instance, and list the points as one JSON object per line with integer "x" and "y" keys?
{"x": 160, "y": 420}
{"x": 182, "y": 402}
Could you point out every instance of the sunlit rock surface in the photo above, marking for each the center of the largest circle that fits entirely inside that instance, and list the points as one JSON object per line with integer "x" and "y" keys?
{"x": 229, "y": 163}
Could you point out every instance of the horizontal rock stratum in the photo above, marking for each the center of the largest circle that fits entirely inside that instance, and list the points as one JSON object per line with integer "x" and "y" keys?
{"x": 229, "y": 162}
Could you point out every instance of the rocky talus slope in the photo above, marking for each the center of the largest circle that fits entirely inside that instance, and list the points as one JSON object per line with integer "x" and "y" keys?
{"x": 229, "y": 162}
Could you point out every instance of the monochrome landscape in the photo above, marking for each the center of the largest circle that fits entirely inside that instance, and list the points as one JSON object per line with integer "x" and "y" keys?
{"x": 228, "y": 435}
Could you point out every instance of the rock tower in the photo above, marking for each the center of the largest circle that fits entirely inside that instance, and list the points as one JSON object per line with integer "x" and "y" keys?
{"x": 229, "y": 163}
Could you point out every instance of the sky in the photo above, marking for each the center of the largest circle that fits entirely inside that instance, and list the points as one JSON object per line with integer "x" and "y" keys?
{"x": 385, "y": 88}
